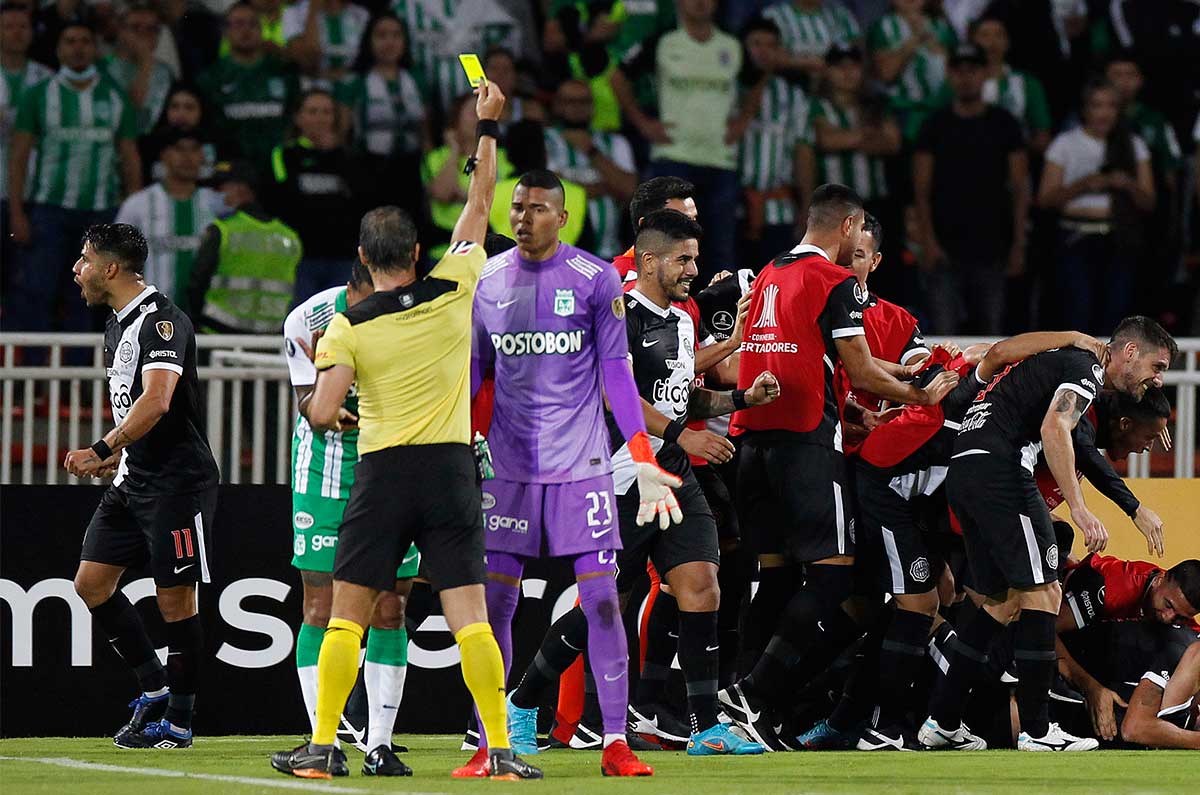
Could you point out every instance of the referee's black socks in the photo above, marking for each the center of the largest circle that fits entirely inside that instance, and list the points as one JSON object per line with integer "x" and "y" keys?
{"x": 968, "y": 655}
{"x": 1033, "y": 649}
{"x": 121, "y": 624}
{"x": 185, "y": 646}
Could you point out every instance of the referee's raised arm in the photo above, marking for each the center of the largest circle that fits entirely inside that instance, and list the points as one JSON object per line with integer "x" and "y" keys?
{"x": 472, "y": 223}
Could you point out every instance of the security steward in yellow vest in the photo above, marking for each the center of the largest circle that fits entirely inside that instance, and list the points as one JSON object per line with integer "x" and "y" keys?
{"x": 244, "y": 273}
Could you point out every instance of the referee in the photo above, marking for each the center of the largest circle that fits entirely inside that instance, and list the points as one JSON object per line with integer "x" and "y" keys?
{"x": 408, "y": 349}
{"x": 161, "y": 503}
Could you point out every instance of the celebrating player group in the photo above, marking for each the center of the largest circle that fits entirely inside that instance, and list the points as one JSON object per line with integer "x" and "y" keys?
{"x": 784, "y": 426}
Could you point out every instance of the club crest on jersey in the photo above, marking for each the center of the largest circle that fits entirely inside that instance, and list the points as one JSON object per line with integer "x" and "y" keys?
{"x": 1052, "y": 556}
{"x": 125, "y": 352}
{"x": 564, "y": 303}
{"x": 165, "y": 329}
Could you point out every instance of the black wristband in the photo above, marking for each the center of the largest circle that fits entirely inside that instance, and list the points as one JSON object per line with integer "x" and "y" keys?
{"x": 102, "y": 450}
{"x": 672, "y": 431}
{"x": 739, "y": 399}
{"x": 489, "y": 127}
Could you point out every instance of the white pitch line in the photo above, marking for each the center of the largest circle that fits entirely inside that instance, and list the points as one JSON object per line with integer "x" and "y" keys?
{"x": 154, "y": 771}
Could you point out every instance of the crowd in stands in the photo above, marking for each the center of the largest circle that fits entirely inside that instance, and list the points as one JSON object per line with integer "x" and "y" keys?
{"x": 1017, "y": 151}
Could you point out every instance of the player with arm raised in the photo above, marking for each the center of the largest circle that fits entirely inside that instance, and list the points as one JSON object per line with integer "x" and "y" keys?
{"x": 550, "y": 323}
{"x": 1010, "y": 542}
{"x": 161, "y": 503}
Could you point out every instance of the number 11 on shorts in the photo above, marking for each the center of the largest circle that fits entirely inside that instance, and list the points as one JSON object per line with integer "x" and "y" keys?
{"x": 183, "y": 539}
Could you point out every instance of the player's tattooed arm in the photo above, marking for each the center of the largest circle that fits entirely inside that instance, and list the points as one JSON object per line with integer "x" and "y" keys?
{"x": 1060, "y": 419}
{"x": 706, "y": 403}
{"x": 158, "y": 387}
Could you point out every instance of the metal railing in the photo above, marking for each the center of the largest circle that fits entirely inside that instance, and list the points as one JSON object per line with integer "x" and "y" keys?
{"x": 50, "y": 408}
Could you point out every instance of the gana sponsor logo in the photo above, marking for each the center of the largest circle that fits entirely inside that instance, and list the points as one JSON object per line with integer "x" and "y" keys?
{"x": 537, "y": 343}
{"x": 511, "y": 523}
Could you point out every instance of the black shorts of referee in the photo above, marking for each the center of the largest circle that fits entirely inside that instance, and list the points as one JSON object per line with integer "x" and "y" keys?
{"x": 425, "y": 494}
{"x": 692, "y": 540}
{"x": 792, "y": 498}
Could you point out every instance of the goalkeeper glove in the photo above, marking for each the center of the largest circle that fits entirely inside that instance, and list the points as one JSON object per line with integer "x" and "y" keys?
{"x": 654, "y": 485}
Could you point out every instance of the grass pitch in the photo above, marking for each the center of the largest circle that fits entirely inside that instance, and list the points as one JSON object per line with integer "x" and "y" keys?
{"x": 238, "y": 765}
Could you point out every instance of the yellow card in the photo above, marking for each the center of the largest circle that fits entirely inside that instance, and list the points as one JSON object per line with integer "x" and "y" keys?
{"x": 473, "y": 68}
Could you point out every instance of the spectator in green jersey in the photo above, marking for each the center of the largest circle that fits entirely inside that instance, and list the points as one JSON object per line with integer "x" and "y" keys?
{"x": 144, "y": 79}
{"x": 909, "y": 47}
{"x": 775, "y": 158}
{"x": 854, "y": 132}
{"x": 172, "y": 213}
{"x": 810, "y": 28}
{"x": 602, "y": 162}
{"x": 323, "y": 38}
{"x": 382, "y": 109}
{"x": 19, "y": 74}
{"x": 184, "y": 110}
{"x": 84, "y": 132}
{"x": 249, "y": 90}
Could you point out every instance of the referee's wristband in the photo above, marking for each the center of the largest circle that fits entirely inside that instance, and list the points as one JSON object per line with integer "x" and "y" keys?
{"x": 739, "y": 399}
{"x": 489, "y": 127}
{"x": 672, "y": 431}
{"x": 102, "y": 450}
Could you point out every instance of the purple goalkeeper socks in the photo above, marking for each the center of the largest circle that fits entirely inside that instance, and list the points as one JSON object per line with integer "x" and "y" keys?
{"x": 607, "y": 649}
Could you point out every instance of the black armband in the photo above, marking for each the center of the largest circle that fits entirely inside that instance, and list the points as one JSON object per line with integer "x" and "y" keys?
{"x": 102, "y": 450}
{"x": 739, "y": 399}
{"x": 488, "y": 127}
{"x": 672, "y": 431}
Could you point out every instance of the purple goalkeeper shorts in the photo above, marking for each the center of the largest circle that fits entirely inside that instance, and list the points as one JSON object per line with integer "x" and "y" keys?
{"x": 552, "y": 519}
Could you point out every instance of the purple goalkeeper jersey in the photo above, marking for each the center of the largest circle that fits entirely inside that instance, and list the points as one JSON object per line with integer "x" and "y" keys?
{"x": 544, "y": 328}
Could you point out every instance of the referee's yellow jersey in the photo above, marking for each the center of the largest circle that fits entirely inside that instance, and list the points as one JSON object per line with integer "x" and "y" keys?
{"x": 411, "y": 353}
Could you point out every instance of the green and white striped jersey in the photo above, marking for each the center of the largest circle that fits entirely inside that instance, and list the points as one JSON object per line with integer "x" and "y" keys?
{"x": 75, "y": 133}
{"x": 388, "y": 114}
{"x": 322, "y": 462}
{"x": 173, "y": 228}
{"x": 604, "y": 212}
{"x": 12, "y": 87}
{"x": 766, "y": 154}
{"x": 813, "y": 32}
{"x": 860, "y": 171}
{"x": 123, "y": 72}
{"x": 339, "y": 34}
{"x": 923, "y": 75}
{"x": 437, "y": 33}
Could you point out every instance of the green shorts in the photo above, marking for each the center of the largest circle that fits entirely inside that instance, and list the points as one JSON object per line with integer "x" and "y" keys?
{"x": 315, "y": 523}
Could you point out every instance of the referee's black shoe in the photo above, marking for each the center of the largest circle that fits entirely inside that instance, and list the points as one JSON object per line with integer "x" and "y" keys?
{"x": 303, "y": 763}
{"x": 507, "y": 766}
{"x": 383, "y": 761}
